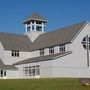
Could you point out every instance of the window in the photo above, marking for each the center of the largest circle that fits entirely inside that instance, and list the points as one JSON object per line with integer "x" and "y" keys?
{"x": 28, "y": 29}
{"x": 51, "y": 50}
{"x": 31, "y": 71}
{"x": 1, "y": 73}
{"x": 15, "y": 53}
{"x": 32, "y": 27}
{"x": 62, "y": 48}
{"x": 41, "y": 52}
{"x": 4, "y": 73}
{"x": 26, "y": 71}
{"x": 37, "y": 70}
{"x": 39, "y": 28}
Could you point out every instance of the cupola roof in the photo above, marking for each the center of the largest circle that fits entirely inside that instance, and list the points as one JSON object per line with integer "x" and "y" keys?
{"x": 35, "y": 16}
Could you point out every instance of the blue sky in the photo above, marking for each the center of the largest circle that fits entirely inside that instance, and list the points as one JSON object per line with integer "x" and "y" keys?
{"x": 59, "y": 13}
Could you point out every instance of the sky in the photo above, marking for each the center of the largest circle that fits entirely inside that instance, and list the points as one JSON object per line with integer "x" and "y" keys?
{"x": 59, "y": 13}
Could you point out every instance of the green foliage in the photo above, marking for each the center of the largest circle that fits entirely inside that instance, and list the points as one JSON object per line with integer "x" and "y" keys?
{"x": 42, "y": 84}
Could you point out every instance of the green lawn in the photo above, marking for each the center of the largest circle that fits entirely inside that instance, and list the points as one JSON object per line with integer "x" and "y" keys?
{"x": 42, "y": 84}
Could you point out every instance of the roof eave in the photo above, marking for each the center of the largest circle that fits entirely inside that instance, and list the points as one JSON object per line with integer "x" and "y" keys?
{"x": 51, "y": 46}
{"x": 35, "y": 20}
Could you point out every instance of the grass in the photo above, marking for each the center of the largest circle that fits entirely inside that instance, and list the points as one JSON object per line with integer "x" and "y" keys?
{"x": 42, "y": 84}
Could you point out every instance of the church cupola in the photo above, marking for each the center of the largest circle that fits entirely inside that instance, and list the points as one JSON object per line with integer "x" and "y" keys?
{"x": 34, "y": 26}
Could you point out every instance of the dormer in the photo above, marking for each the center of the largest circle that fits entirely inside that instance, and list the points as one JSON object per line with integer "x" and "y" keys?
{"x": 34, "y": 26}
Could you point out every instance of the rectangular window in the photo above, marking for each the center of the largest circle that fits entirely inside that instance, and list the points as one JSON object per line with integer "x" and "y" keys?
{"x": 4, "y": 73}
{"x": 37, "y": 70}
{"x": 32, "y": 27}
{"x": 28, "y": 29}
{"x": 31, "y": 70}
{"x": 15, "y": 53}
{"x": 41, "y": 52}
{"x": 26, "y": 71}
{"x": 39, "y": 28}
{"x": 51, "y": 50}
{"x": 62, "y": 48}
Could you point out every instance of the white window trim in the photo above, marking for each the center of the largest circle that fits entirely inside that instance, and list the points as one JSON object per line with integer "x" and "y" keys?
{"x": 62, "y": 48}
{"x": 51, "y": 50}
{"x": 41, "y": 52}
{"x": 31, "y": 70}
{"x": 15, "y": 53}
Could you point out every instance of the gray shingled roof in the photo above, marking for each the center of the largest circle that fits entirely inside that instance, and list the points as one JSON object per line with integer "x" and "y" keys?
{"x": 35, "y": 16}
{"x": 6, "y": 67}
{"x": 57, "y": 37}
{"x": 43, "y": 58}
{"x": 53, "y": 38}
{"x": 15, "y": 42}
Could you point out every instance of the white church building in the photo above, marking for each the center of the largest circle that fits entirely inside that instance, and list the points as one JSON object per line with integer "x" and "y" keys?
{"x": 63, "y": 52}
